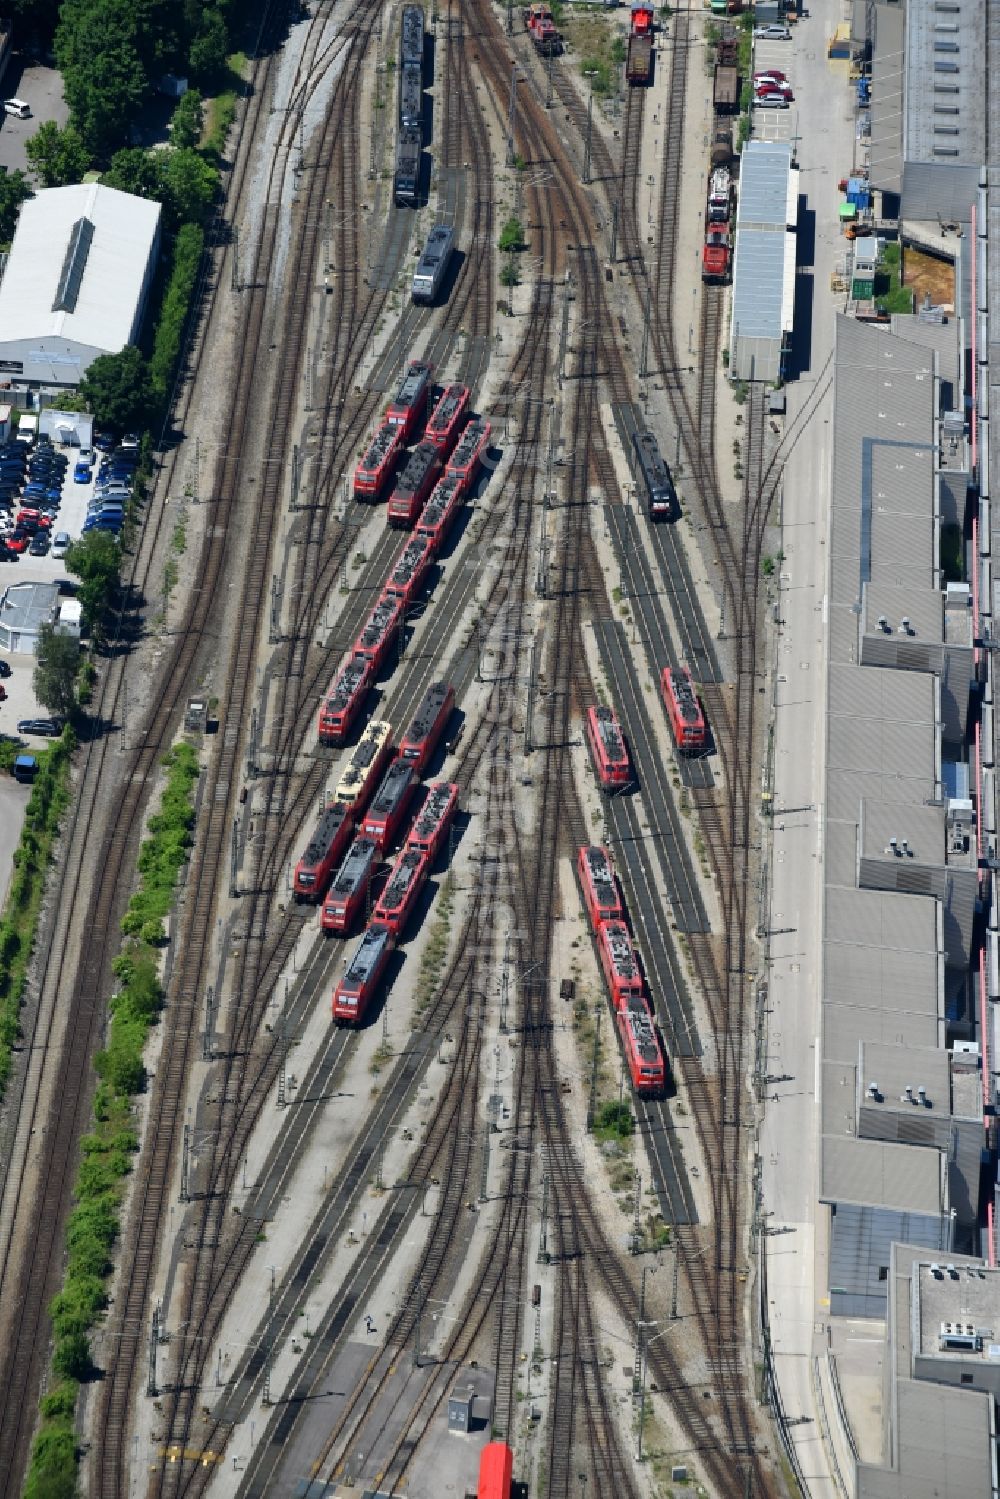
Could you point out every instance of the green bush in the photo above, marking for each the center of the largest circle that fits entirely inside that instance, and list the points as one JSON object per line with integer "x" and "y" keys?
{"x": 106, "y": 1152}
{"x": 614, "y": 1120}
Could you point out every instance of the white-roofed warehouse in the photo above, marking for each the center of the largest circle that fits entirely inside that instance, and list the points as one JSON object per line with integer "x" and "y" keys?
{"x": 764, "y": 266}
{"x": 76, "y": 282}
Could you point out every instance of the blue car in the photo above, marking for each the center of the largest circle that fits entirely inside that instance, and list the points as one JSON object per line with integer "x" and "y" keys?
{"x": 82, "y": 473}
{"x": 102, "y": 523}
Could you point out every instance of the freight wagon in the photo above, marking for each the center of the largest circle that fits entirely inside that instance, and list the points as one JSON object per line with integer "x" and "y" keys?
{"x": 620, "y": 961}
{"x": 496, "y": 1470}
{"x": 347, "y": 897}
{"x": 406, "y": 180}
{"x": 378, "y": 463}
{"x": 370, "y": 757}
{"x": 600, "y": 887}
{"x": 343, "y": 702}
{"x": 726, "y": 89}
{"x": 434, "y": 819}
{"x": 432, "y": 266}
{"x": 379, "y": 632}
{"x": 408, "y": 406}
{"x": 406, "y": 880}
{"x": 468, "y": 455}
{"x": 411, "y": 97}
{"x": 643, "y": 1053}
{"x": 414, "y": 485}
{"x": 389, "y": 805}
{"x": 447, "y": 419}
{"x": 420, "y": 740}
{"x": 607, "y": 747}
{"x": 687, "y": 722}
{"x": 409, "y": 569}
{"x": 365, "y": 971}
{"x": 439, "y": 513}
{"x": 323, "y": 852}
{"x": 411, "y": 36}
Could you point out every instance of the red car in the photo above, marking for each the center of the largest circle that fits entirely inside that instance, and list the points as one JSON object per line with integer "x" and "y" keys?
{"x": 771, "y": 91}
{"x": 18, "y": 541}
{"x": 37, "y": 518}
{"x": 770, "y": 75}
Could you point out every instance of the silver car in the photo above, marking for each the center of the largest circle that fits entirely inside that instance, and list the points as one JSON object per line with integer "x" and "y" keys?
{"x": 60, "y": 544}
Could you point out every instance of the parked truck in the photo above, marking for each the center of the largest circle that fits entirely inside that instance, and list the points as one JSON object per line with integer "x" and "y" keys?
{"x": 639, "y": 64}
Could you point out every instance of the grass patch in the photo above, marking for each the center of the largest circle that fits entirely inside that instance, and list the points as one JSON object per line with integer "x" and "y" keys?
{"x": 890, "y": 294}
{"x": 220, "y": 112}
{"x": 106, "y": 1153}
{"x": 19, "y": 924}
{"x": 614, "y": 1121}
{"x": 434, "y": 954}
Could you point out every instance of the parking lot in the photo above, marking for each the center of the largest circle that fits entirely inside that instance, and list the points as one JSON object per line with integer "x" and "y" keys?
{"x": 769, "y": 123}
{"x": 20, "y": 701}
{"x": 41, "y": 88}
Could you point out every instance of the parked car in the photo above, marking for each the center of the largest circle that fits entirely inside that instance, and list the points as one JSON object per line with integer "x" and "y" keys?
{"x": 19, "y": 540}
{"x": 44, "y": 728}
{"x": 771, "y": 100}
{"x": 39, "y": 544}
{"x": 770, "y": 73}
{"x": 768, "y": 90}
{"x": 82, "y": 473}
{"x": 773, "y": 33}
{"x": 60, "y": 544}
{"x": 5, "y": 668}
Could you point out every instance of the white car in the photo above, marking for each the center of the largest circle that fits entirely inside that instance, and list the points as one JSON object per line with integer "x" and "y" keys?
{"x": 60, "y": 544}
{"x": 771, "y": 100}
{"x": 773, "y": 33}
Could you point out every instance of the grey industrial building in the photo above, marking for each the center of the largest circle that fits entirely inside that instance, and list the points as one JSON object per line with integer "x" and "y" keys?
{"x": 928, "y": 111}
{"x": 75, "y": 284}
{"x": 901, "y": 1095}
{"x": 763, "y": 302}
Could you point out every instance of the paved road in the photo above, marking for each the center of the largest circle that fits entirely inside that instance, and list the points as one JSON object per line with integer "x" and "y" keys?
{"x": 796, "y": 1268}
{"x": 42, "y": 89}
{"x": 13, "y": 800}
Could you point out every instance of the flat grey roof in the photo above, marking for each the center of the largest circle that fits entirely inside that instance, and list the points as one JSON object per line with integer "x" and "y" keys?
{"x": 896, "y": 1068}
{"x": 879, "y": 1173}
{"x": 894, "y": 602}
{"x": 886, "y": 109}
{"x": 936, "y": 192}
{"x": 970, "y": 1294}
{"x": 880, "y": 918}
{"x": 762, "y": 305}
{"x": 944, "y": 92}
{"x": 943, "y": 1446}
{"x": 922, "y": 827}
{"x": 27, "y": 606}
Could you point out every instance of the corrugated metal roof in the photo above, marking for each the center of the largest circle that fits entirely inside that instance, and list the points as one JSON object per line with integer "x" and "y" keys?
{"x": 923, "y": 608}
{"x": 764, "y": 168}
{"x": 764, "y": 260}
{"x": 923, "y": 829}
{"x": 881, "y": 918}
{"x": 113, "y": 276}
{"x": 845, "y": 1026}
{"x": 838, "y": 1098}
{"x": 936, "y": 192}
{"x": 881, "y": 1174}
{"x": 887, "y": 99}
{"x": 944, "y": 63}
{"x": 882, "y": 978}
{"x": 879, "y": 692}
{"x": 847, "y": 789}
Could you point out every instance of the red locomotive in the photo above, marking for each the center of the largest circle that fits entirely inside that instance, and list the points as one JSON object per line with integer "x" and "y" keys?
{"x": 323, "y": 852}
{"x": 620, "y": 961}
{"x": 375, "y": 468}
{"x": 414, "y": 485}
{"x": 643, "y": 1053}
{"x": 390, "y": 805}
{"x": 356, "y": 989}
{"x": 447, "y": 418}
{"x": 341, "y": 704}
{"x": 433, "y": 820}
{"x": 468, "y": 455}
{"x": 395, "y": 904}
{"x": 348, "y": 894}
{"x": 408, "y": 570}
{"x": 496, "y": 1470}
{"x": 715, "y": 255}
{"x": 409, "y": 405}
{"x": 607, "y": 747}
{"x": 420, "y": 740}
{"x": 439, "y": 513}
{"x": 687, "y": 722}
{"x": 379, "y": 632}
{"x": 600, "y": 888}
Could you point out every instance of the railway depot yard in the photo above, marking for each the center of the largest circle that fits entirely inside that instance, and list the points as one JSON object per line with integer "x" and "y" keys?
{"x": 507, "y": 925}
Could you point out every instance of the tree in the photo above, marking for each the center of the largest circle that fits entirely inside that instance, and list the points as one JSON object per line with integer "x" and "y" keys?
{"x": 14, "y": 189}
{"x": 207, "y": 57}
{"x": 98, "y": 51}
{"x": 190, "y": 185}
{"x": 57, "y": 660}
{"x": 117, "y": 389}
{"x": 188, "y": 120}
{"x": 96, "y": 560}
{"x": 58, "y": 156}
{"x": 71, "y": 1359}
{"x": 512, "y": 236}
{"x": 136, "y": 171}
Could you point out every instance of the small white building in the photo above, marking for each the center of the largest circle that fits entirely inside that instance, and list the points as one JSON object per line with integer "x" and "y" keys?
{"x": 24, "y": 608}
{"x": 76, "y": 283}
